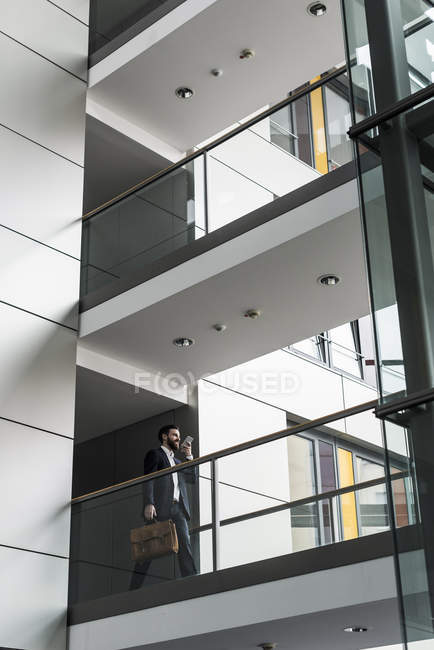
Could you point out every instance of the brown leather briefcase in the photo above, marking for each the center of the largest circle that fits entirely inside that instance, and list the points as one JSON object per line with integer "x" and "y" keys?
{"x": 153, "y": 540}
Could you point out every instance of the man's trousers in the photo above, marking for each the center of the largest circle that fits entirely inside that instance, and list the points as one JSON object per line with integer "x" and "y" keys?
{"x": 185, "y": 556}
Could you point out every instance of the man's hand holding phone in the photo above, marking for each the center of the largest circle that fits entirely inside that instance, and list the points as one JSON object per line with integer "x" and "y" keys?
{"x": 186, "y": 446}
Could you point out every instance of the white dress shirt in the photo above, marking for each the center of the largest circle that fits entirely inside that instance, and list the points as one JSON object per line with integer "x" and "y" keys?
{"x": 171, "y": 456}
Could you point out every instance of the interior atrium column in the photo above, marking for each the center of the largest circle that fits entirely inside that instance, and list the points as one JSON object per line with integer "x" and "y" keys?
{"x": 394, "y": 162}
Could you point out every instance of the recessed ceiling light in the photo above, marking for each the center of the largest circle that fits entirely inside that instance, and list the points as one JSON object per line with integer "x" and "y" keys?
{"x": 183, "y": 342}
{"x": 183, "y": 92}
{"x": 328, "y": 280}
{"x": 317, "y": 9}
{"x": 247, "y": 53}
{"x": 252, "y": 313}
{"x": 355, "y": 628}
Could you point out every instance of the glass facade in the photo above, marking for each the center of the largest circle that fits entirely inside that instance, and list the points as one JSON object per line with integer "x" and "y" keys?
{"x": 125, "y": 238}
{"x": 331, "y": 466}
{"x": 389, "y": 44}
{"x": 341, "y": 348}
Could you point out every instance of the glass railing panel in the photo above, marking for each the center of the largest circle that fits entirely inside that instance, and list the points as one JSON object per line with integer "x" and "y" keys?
{"x": 253, "y": 480}
{"x": 297, "y": 492}
{"x": 409, "y": 445}
{"x": 338, "y": 119}
{"x": 120, "y": 241}
{"x": 101, "y": 550}
{"x": 290, "y": 129}
{"x": 279, "y": 153}
{"x": 255, "y": 539}
{"x": 305, "y": 529}
{"x": 272, "y": 532}
{"x": 231, "y": 194}
{"x": 373, "y": 510}
{"x": 275, "y": 495}
{"x": 289, "y": 148}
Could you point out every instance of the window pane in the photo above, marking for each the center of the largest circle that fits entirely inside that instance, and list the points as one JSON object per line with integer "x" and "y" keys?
{"x": 301, "y": 468}
{"x": 305, "y": 527}
{"x": 326, "y": 506}
{"x": 339, "y": 120}
{"x": 343, "y": 335}
{"x": 374, "y": 516}
{"x": 327, "y": 466}
{"x": 367, "y": 470}
{"x": 308, "y": 346}
{"x": 300, "y": 124}
{"x": 399, "y": 500}
{"x": 372, "y": 501}
{"x": 348, "y": 501}
{"x": 344, "y": 359}
{"x": 343, "y": 349}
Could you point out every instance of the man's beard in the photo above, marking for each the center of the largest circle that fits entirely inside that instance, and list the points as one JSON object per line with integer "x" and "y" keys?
{"x": 172, "y": 444}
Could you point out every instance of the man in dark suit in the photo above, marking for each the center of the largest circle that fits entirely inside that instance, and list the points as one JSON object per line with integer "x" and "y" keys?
{"x": 166, "y": 498}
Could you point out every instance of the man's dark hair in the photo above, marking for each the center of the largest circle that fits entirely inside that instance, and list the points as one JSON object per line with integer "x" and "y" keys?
{"x": 166, "y": 429}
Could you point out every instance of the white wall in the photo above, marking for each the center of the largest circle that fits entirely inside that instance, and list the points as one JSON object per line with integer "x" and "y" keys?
{"x": 306, "y": 389}
{"x": 226, "y": 418}
{"x": 41, "y": 157}
{"x": 247, "y": 171}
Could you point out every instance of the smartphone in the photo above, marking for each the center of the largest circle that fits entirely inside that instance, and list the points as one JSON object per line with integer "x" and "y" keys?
{"x": 187, "y": 441}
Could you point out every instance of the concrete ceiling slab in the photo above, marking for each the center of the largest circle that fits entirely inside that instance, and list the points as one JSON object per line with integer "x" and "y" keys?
{"x": 315, "y": 631}
{"x": 291, "y": 47}
{"x": 281, "y": 283}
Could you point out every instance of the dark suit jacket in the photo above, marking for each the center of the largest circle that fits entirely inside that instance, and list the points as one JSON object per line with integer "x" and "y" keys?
{"x": 159, "y": 492}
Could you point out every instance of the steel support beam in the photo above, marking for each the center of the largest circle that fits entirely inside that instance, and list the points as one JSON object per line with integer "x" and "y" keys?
{"x": 412, "y": 258}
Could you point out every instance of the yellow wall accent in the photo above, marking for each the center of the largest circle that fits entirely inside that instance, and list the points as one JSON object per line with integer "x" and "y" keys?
{"x": 348, "y": 501}
{"x": 318, "y": 127}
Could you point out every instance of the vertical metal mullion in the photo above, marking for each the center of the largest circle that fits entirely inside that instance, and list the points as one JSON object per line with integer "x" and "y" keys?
{"x": 355, "y": 331}
{"x": 338, "y": 499}
{"x": 310, "y": 124}
{"x": 332, "y": 521}
{"x": 215, "y": 514}
{"x": 318, "y": 490}
{"x": 326, "y": 129}
{"x": 356, "y": 493}
{"x": 205, "y": 190}
{"x": 293, "y": 122}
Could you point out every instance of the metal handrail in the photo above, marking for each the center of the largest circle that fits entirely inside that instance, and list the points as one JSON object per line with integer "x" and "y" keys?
{"x": 208, "y": 147}
{"x": 250, "y": 444}
{"x": 396, "y": 109}
{"x": 314, "y": 498}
